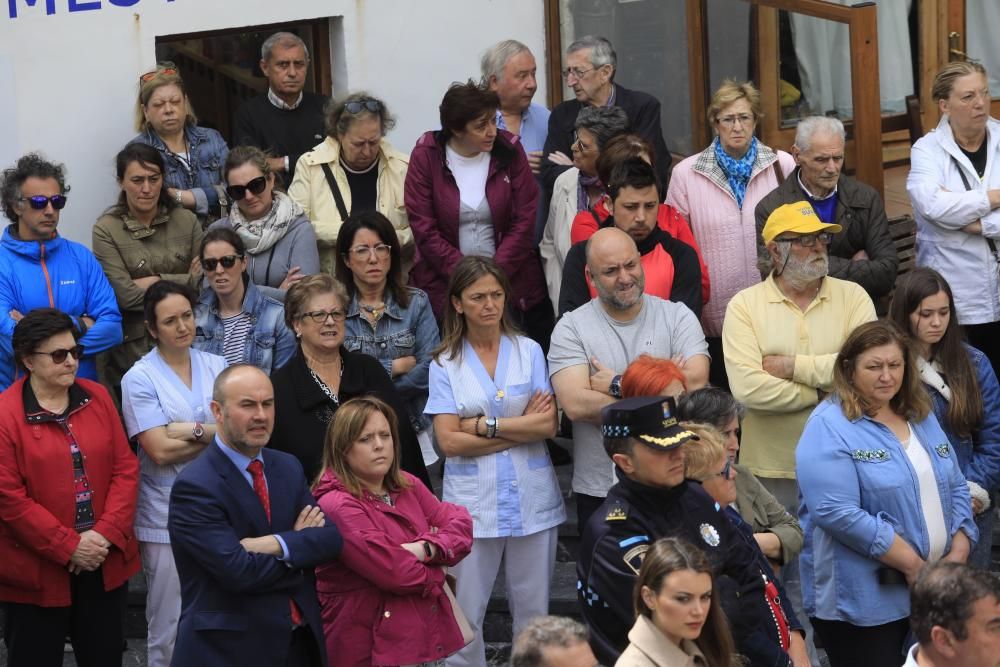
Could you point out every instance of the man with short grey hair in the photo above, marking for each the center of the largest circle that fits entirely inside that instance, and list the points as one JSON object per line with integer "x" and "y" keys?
{"x": 863, "y": 252}
{"x": 590, "y": 68}
{"x": 287, "y": 121}
{"x": 508, "y": 69}
{"x": 553, "y": 641}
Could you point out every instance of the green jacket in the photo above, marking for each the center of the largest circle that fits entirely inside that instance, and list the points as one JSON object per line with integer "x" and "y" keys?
{"x": 762, "y": 511}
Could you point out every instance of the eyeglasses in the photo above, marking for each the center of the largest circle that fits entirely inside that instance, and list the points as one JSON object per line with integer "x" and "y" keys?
{"x": 576, "y": 72}
{"x": 368, "y": 103}
{"x": 238, "y": 192}
{"x": 320, "y": 316}
{"x": 59, "y": 356}
{"x": 744, "y": 119}
{"x": 39, "y": 202}
{"x": 165, "y": 68}
{"x": 726, "y": 472}
{"x": 578, "y": 143}
{"x": 363, "y": 252}
{"x": 809, "y": 240}
{"x": 228, "y": 262}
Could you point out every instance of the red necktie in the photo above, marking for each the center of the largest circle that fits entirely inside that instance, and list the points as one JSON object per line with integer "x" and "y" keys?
{"x": 256, "y": 470}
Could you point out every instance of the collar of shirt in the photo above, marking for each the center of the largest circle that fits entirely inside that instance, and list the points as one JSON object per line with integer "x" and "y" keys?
{"x": 241, "y": 462}
{"x": 611, "y": 97}
{"x": 806, "y": 190}
{"x": 280, "y": 103}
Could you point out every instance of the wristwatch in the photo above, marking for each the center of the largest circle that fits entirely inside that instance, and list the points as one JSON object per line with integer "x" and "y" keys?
{"x": 198, "y": 432}
{"x": 616, "y": 386}
{"x": 491, "y": 427}
{"x": 427, "y": 550}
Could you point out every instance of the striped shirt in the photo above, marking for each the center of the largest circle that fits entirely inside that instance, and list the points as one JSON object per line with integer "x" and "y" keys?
{"x": 235, "y": 331}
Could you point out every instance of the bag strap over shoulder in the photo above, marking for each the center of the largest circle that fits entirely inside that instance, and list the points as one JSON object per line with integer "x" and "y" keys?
{"x": 968, "y": 186}
{"x": 779, "y": 173}
{"x": 337, "y": 197}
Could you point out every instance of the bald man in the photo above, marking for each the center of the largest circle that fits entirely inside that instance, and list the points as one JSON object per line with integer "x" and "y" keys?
{"x": 594, "y": 344}
{"x": 246, "y": 537}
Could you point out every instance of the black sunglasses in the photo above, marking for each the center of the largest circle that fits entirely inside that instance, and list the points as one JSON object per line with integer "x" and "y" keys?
{"x": 238, "y": 192}
{"x": 39, "y": 202}
{"x": 367, "y": 103}
{"x": 59, "y": 356}
{"x": 228, "y": 262}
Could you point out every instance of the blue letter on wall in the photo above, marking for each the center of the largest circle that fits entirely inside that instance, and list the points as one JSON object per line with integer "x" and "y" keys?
{"x": 50, "y": 6}
{"x": 80, "y": 6}
{"x": 126, "y": 3}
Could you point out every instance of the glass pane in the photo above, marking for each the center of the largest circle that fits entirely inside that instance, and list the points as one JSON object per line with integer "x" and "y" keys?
{"x": 981, "y": 21}
{"x": 649, "y": 37}
{"x": 729, "y": 54}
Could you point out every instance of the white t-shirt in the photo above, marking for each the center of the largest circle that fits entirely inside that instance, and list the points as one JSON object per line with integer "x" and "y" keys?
{"x": 470, "y": 174}
{"x": 930, "y": 498}
{"x": 661, "y": 329}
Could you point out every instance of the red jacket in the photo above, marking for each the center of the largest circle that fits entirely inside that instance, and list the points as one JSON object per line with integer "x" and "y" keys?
{"x": 433, "y": 203}
{"x": 669, "y": 220}
{"x": 381, "y": 606}
{"x": 38, "y": 500}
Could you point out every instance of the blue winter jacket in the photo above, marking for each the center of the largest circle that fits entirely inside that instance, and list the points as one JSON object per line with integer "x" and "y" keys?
{"x": 272, "y": 343}
{"x": 208, "y": 151}
{"x": 62, "y": 274}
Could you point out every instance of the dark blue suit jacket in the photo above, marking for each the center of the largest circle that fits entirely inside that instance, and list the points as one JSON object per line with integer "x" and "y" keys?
{"x": 234, "y": 604}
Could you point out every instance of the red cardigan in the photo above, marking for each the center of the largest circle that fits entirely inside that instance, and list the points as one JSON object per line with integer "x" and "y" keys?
{"x": 669, "y": 220}
{"x": 381, "y": 606}
{"x": 38, "y": 500}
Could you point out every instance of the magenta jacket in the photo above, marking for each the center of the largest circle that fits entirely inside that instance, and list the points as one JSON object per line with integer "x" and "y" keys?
{"x": 380, "y": 605}
{"x": 432, "y": 204}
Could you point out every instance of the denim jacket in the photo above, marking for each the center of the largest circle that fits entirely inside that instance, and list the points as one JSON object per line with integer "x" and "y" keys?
{"x": 858, "y": 491}
{"x": 402, "y": 332}
{"x": 272, "y": 343}
{"x": 207, "y": 155}
{"x": 978, "y": 455}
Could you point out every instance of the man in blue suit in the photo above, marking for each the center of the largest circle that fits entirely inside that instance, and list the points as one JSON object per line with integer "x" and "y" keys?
{"x": 245, "y": 537}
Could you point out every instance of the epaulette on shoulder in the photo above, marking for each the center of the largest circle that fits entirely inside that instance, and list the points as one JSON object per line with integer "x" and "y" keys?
{"x": 617, "y": 512}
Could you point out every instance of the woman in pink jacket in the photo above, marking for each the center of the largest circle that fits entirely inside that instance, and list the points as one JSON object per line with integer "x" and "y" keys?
{"x": 384, "y": 601}
{"x": 717, "y": 191}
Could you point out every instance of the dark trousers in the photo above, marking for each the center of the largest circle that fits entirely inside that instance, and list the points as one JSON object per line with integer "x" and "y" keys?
{"x": 585, "y": 507}
{"x": 854, "y": 646}
{"x": 717, "y": 371}
{"x": 536, "y": 323}
{"x": 986, "y": 337}
{"x": 302, "y": 650}
{"x": 93, "y": 622}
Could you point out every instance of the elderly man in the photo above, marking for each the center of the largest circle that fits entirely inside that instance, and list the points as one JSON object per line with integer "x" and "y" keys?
{"x": 509, "y": 68}
{"x": 553, "y": 641}
{"x": 40, "y": 269}
{"x": 863, "y": 252}
{"x": 287, "y": 121}
{"x": 955, "y": 617}
{"x": 652, "y": 499}
{"x": 593, "y": 345}
{"x": 591, "y": 64}
{"x": 246, "y": 536}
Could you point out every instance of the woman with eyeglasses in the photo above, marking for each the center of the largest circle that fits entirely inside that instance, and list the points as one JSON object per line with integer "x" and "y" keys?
{"x": 144, "y": 238}
{"x": 882, "y": 494}
{"x": 165, "y": 405}
{"x": 279, "y": 240}
{"x": 323, "y": 374}
{"x": 233, "y": 317}
{"x": 193, "y": 155}
{"x": 354, "y": 169}
{"x": 954, "y": 184}
{"x": 577, "y": 189}
{"x": 68, "y": 485}
{"x": 716, "y": 191}
{"x": 470, "y": 191}
{"x": 385, "y": 318}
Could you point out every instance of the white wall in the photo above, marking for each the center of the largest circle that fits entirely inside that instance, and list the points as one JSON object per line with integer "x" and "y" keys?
{"x": 68, "y": 80}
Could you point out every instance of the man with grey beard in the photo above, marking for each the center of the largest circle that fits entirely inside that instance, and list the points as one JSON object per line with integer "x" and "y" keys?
{"x": 780, "y": 340}
{"x": 593, "y": 345}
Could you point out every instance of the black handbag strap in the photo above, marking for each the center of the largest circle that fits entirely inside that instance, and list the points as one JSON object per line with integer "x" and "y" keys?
{"x": 965, "y": 182}
{"x": 337, "y": 197}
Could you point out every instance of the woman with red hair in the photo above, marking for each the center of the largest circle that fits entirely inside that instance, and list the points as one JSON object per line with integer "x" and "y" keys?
{"x": 653, "y": 376}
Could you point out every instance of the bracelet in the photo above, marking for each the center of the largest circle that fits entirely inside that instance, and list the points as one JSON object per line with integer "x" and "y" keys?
{"x": 178, "y": 197}
{"x": 476, "y": 428}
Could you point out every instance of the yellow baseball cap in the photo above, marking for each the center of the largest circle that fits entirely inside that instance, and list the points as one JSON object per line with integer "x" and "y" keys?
{"x": 799, "y": 218}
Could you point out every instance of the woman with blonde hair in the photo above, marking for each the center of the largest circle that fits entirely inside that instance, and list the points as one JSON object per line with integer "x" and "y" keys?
{"x": 383, "y": 601}
{"x": 193, "y": 155}
{"x": 679, "y": 622}
{"x": 717, "y": 191}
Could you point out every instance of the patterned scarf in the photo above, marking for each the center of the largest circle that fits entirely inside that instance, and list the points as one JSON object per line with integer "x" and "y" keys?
{"x": 737, "y": 171}
{"x": 582, "y": 184}
{"x": 259, "y": 235}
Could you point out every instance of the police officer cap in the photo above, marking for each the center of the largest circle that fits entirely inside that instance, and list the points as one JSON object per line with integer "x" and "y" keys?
{"x": 649, "y": 419}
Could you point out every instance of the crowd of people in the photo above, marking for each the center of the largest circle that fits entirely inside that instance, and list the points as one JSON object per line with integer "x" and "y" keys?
{"x": 245, "y": 391}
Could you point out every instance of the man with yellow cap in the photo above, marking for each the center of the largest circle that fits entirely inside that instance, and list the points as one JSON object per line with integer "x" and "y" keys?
{"x": 780, "y": 340}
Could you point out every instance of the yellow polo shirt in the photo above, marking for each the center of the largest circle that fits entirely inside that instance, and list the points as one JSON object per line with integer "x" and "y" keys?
{"x": 760, "y": 321}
